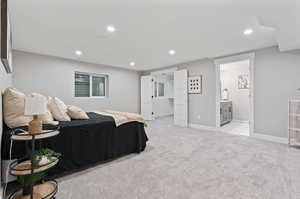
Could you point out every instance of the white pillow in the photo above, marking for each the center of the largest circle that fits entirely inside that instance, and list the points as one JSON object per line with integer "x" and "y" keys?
{"x": 13, "y": 108}
{"x": 46, "y": 118}
{"x": 58, "y": 109}
{"x": 77, "y": 113}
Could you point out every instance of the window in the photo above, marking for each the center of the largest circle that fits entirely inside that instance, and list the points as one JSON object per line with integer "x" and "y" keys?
{"x": 89, "y": 85}
{"x": 161, "y": 89}
{"x": 82, "y": 85}
{"x": 98, "y": 86}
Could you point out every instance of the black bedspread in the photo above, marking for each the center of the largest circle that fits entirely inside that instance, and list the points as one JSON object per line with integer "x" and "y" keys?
{"x": 85, "y": 142}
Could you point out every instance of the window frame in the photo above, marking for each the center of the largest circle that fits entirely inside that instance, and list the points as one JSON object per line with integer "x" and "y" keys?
{"x": 91, "y": 75}
{"x": 156, "y": 89}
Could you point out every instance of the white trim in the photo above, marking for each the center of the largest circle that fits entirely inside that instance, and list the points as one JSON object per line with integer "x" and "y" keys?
{"x": 202, "y": 127}
{"x": 164, "y": 116}
{"x": 260, "y": 136}
{"x": 241, "y": 121}
{"x": 160, "y": 72}
{"x": 218, "y": 62}
{"x": 271, "y": 138}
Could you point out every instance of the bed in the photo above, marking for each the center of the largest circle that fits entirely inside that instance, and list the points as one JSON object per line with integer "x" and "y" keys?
{"x": 84, "y": 143}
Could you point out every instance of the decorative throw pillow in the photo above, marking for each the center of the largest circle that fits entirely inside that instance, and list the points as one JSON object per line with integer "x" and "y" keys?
{"x": 13, "y": 108}
{"x": 77, "y": 113}
{"x": 58, "y": 109}
{"x": 46, "y": 118}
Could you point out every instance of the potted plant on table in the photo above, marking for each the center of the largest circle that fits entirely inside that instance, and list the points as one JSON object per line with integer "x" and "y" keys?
{"x": 42, "y": 157}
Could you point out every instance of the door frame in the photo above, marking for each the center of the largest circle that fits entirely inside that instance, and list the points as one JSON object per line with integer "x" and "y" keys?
{"x": 226, "y": 60}
{"x": 151, "y": 78}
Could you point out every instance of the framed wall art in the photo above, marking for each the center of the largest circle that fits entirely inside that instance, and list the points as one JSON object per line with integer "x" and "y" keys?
{"x": 195, "y": 85}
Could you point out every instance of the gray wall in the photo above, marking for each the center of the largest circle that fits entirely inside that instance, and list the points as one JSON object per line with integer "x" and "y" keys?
{"x": 55, "y": 77}
{"x": 277, "y": 77}
{"x": 202, "y": 107}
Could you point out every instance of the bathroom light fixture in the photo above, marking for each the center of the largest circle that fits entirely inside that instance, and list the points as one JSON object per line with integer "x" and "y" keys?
{"x": 172, "y": 52}
{"x": 78, "y": 52}
{"x": 110, "y": 28}
{"x": 248, "y": 31}
{"x": 132, "y": 63}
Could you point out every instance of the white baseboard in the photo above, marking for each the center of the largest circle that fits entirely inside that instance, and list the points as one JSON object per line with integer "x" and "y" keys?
{"x": 162, "y": 116}
{"x": 271, "y": 138}
{"x": 241, "y": 121}
{"x": 255, "y": 135}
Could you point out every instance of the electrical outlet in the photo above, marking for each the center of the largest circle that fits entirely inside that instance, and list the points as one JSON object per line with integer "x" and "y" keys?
{"x": 198, "y": 117}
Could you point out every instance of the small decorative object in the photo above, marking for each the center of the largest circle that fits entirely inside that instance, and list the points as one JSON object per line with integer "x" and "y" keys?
{"x": 6, "y": 38}
{"x": 195, "y": 85}
{"x": 44, "y": 156}
{"x": 44, "y": 160}
{"x": 243, "y": 81}
{"x": 34, "y": 106}
{"x": 225, "y": 94}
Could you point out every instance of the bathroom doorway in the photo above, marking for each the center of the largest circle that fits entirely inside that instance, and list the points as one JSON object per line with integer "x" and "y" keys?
{"x": 235, "y": 94}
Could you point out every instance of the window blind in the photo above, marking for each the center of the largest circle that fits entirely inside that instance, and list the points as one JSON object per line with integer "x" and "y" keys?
{"x": 82, "y": 85}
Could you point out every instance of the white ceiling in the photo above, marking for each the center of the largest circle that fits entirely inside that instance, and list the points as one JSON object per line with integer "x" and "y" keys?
{"x": 148, "y": 29}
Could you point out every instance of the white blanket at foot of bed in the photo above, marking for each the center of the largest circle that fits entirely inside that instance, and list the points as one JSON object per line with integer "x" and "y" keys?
{"x": 123, "y": 117}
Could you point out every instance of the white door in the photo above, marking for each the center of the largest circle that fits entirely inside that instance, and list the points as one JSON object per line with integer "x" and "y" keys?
{"x": 180, "y": 98}
{"x": 147, "y": 97}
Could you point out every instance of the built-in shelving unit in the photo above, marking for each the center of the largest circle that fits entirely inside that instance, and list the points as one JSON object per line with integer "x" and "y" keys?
{"x": 24, "y": 167}
{"x": 294, "y": 122}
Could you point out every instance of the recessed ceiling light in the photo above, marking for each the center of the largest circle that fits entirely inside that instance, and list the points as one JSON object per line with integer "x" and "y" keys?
{"x": 110, "y": 28}
{"x": 78, "y": 52}
{"x": 172, "y": 52}
{"x": 132, "y": 63}
{"x": 248, "y": 31}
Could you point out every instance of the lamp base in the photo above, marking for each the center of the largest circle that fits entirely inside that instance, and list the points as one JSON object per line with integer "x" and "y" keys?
{"x": 35, "y": 126}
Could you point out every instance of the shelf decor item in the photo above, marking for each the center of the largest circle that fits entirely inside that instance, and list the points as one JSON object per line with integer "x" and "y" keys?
{"x": 34, "y": 106}
{"x": 31, "y": 171}
{"x": 294, "y": 122}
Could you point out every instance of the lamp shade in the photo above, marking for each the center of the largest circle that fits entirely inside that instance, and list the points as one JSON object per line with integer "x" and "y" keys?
{"x": 35, "y": 105}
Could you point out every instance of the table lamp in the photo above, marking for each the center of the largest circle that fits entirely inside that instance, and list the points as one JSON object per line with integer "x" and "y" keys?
{"x": 34, "y": 106}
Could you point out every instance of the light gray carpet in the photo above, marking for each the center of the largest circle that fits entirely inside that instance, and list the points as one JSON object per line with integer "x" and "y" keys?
{"x": 182, "y": 163}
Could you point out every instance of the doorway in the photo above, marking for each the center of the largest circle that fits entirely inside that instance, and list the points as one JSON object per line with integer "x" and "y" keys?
{"x": 164, "y": 93}
{"x": 234, "y": 91}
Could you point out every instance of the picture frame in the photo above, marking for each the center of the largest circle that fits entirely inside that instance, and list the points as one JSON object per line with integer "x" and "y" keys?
{"x": 195, "y": 85}
{"x": 6, "y": 38}
{"x": 243, "y": 81}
